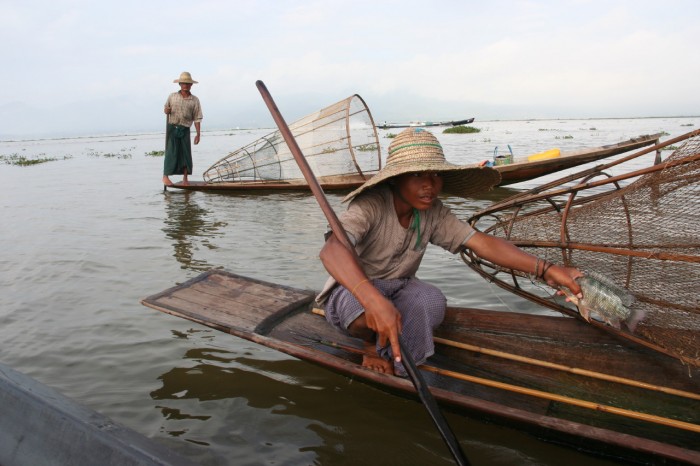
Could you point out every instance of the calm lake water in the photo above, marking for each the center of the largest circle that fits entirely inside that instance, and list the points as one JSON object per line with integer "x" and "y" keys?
{"x": 87, "y": 236}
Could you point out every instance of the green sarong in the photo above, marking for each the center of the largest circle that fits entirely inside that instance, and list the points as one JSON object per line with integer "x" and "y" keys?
{"x": 178, "y": 151}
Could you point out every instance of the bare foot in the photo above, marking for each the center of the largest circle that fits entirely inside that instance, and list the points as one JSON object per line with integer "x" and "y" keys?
{"x": 371, "y": 360}
{"x": 166, "y": 181}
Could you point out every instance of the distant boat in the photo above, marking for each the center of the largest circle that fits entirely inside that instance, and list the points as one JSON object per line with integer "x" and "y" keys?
{"x": 420, "y": 124}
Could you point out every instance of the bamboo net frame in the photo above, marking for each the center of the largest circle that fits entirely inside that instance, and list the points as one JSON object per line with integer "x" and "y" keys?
{"x": 337, "y": 141}
{"x": 639, "y": 228}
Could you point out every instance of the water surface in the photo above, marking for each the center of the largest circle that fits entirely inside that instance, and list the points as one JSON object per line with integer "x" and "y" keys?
{"x": 87, "y": 236}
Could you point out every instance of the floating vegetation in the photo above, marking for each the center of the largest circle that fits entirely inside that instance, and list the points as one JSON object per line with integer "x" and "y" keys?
{"x": 155, "y": 153}
{"x": 593, "y": 128}
{"x": 123, "y": 154}
{"x": 669, "y": 148}
{"x": 366, "y": 148}
{"x": 329, "y": 150}
{"x": 461, "y": 130}
{"x": 688, "y": 124}
{"x": 22, "y": 161}
{"x": 390, "y": 135}
{"x": 565, "y": 137}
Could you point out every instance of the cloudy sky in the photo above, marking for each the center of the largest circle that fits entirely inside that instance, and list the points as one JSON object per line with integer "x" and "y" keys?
{"x": 85, "y": 67}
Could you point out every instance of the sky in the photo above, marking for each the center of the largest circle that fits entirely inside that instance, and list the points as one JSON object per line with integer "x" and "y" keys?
{"x": 85, "y": 67}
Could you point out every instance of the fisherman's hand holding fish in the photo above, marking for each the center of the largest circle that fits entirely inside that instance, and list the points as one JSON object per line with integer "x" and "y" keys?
{"x": 561, "y": 277}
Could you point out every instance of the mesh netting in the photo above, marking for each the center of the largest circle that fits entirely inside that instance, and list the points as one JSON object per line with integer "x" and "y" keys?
{"x": 337, "y": 141}
{"x": 643, "y": 236}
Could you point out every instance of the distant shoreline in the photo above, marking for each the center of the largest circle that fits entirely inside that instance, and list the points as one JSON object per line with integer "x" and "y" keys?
{"x": 30, "y": 138}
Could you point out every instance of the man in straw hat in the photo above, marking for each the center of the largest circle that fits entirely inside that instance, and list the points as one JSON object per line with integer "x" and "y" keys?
{"x": 390, "y": 220}
{"x": 183, "y": 109}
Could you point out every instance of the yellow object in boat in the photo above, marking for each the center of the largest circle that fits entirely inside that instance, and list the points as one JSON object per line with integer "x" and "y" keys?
{"x": 548, "y": 154}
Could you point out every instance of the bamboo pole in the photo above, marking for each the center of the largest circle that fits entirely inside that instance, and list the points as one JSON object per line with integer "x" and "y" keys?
{"x": 568, "y": 400}
{"x": 572, "y": 370}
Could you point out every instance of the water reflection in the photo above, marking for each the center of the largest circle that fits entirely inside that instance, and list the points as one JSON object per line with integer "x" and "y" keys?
{"x": 265, "y": 401}
{"x": 189, "y": 225}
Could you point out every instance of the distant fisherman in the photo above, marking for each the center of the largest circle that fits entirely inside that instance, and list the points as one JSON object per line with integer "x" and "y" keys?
{"x": 183, "y": 109}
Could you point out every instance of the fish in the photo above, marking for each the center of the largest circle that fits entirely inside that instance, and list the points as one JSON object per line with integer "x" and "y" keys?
{"x": 603, "y": 297}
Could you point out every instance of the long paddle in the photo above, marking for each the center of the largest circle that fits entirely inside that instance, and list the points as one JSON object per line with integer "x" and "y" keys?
{"x": 413, "y": 373}
{"x": 165, "y": 149}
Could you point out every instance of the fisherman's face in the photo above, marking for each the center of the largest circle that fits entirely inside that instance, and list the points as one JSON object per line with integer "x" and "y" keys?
{"x": 186, "y": 87}
{"x": 419, "y": 190}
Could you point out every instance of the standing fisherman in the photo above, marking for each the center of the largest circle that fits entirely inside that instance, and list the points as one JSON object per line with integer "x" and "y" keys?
{"x": 183, "y": 109}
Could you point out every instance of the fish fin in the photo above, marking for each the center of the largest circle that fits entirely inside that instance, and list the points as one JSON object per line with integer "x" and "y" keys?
{"x": 585, "y": 313}
{"x": 636, "y": 317}
{"x": 627, "y": 298}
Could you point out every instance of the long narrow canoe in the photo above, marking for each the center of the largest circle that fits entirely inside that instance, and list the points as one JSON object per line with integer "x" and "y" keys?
{"x": 524, "y": 170}
{"x": 554, "y": 377}
{"x": 425, "y": 124}
{"x": 516, "y": 172}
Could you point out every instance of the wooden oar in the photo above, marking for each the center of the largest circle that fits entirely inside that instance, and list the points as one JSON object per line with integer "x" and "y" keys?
{"x": 415, "y": 376}
{"x": 165, "y": 149}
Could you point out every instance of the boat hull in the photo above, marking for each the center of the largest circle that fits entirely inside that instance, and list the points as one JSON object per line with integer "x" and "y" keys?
{"x": 500, "y": 390}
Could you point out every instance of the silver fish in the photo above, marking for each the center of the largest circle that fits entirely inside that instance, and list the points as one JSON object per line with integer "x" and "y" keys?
{"x": 606, "y": 299}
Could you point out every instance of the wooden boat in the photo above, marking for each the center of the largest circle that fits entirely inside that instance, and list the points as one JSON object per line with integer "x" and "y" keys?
{"x": 425, "y": 124}
{"x": 328, "y": 183}
{"x": 554, "y": 377}
{"x": 38, "y": 425}
{"x": 518, "y": 171}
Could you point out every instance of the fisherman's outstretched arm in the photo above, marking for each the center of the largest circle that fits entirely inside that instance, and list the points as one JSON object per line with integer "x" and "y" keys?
{"x": 380, "y": 313}
{"x": 506, "y": 254}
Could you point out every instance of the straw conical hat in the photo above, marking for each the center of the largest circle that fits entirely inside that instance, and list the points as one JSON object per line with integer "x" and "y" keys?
{"x": 417, "y": 150}
{"x": 185, "y": 77}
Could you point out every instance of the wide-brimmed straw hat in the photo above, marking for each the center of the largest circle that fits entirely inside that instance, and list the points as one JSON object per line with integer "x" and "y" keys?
{"x": 185, "y": 77}
{"x": 416, "y": 150}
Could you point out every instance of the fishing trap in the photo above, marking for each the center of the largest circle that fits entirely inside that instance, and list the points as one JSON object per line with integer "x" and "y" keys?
{"x": 638, "y": 227}
{"x": 340, "y": 143}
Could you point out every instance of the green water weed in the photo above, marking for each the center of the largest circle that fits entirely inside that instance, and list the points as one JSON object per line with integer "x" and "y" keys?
{"x": 461, "y": 130}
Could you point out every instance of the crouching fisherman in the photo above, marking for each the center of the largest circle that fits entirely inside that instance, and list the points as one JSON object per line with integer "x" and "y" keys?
{"x": 390, "y": 220}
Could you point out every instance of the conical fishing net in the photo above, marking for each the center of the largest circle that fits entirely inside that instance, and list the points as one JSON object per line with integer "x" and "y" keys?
{"x": 339, "y": 141}
{"x": 642, "y": 235}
